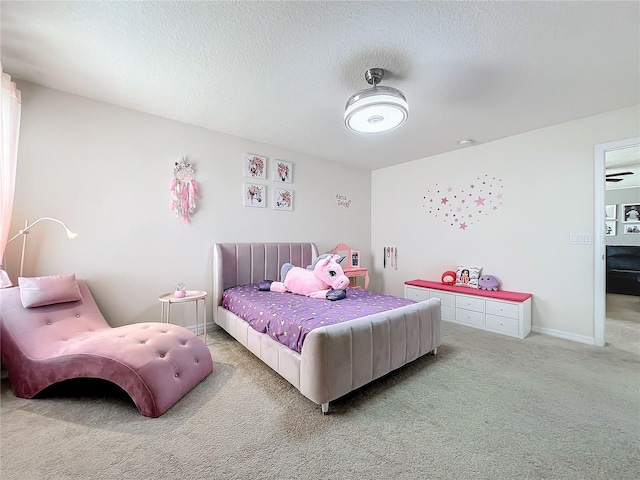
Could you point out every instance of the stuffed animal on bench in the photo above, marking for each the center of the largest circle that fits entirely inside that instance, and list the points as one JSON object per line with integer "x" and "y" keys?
{"x": 323, "y": 279}
{"x": 488, "y": 282}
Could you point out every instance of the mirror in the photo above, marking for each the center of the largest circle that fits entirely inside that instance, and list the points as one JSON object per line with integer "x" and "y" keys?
{"x": 351, "y": 256}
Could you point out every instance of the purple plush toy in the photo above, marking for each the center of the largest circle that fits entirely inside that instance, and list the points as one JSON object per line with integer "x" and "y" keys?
{"x": 488, "y": 282}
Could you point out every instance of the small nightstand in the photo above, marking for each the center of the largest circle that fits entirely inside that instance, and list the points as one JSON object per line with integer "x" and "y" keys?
{"x": 192, "y": 296}
{"x": 353, "y": 269}
{"x": 353, "y": 272}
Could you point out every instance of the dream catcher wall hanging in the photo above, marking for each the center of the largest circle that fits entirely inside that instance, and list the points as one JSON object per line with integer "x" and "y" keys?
{"x": 184, "y": 190}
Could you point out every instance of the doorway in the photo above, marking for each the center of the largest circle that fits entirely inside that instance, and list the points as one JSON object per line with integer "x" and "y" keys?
{"x": 602, "y": 152}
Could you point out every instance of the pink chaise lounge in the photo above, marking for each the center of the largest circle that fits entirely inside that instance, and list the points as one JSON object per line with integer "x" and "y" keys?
{"x": 155, "y": 363}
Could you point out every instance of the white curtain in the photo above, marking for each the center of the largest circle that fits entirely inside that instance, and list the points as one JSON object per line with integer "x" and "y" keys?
{"x": 10, "y": 105}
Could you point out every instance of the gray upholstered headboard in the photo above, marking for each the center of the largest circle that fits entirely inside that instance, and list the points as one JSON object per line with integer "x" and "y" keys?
{"x": 242, "y": 263}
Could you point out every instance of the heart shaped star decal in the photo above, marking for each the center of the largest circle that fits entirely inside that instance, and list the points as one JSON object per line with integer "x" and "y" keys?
{"x": 462, "y": 207}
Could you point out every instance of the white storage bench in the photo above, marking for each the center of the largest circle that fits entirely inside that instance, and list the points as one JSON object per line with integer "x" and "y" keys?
{"x": 508, "y": 313}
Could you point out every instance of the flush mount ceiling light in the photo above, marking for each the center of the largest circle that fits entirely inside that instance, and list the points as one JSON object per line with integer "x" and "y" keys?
{"x": 377, "y": 109}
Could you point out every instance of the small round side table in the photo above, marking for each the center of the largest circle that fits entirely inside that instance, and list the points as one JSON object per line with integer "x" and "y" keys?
{"x": 192, "y": 296}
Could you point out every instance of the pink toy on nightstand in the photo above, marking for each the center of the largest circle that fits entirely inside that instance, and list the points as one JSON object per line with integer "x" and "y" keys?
{"x": 180, "y": 291}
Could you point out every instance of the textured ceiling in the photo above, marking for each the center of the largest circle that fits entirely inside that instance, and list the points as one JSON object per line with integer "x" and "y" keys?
{"x": 623, "y": 160}
{"x": 281, "y": 72}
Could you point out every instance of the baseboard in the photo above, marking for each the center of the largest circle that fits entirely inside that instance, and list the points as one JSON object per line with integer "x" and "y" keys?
{"x": 210, "y": 328}
{"x": 566, "y": 335}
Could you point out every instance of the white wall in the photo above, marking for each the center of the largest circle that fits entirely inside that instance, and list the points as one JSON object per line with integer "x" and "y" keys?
{"x": 548, "y": 193}
{"x": 105, "y": 171}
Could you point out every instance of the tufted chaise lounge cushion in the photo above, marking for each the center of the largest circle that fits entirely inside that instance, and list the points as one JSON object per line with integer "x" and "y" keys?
{"x": 155, "y": 363}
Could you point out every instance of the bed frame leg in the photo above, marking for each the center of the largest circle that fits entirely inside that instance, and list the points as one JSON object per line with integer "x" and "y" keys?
{"x": 435, "y": 351}
{"x": 325, "y": 408}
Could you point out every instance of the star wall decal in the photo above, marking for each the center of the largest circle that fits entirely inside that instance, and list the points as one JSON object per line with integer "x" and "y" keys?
{"x": 454, "y": 209}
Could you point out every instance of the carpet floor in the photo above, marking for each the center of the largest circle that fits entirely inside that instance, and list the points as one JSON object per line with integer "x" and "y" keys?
{"x": 486, "y": 407}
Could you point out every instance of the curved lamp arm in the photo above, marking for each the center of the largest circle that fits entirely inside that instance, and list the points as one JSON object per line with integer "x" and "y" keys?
{"x": 25, "y": 231}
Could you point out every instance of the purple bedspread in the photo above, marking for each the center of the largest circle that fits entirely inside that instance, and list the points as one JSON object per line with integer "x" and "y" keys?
{"x": 288, "y": 317}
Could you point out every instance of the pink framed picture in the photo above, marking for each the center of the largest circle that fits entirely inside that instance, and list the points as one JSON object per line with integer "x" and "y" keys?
{"x": 254, "y": 195}
{"x": 283, "y": 199}
{"x": 255, "y": 166}
{"x": 282, "y": 171}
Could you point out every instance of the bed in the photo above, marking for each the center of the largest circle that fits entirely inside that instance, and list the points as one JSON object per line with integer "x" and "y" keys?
{"x": 335, "y": 359}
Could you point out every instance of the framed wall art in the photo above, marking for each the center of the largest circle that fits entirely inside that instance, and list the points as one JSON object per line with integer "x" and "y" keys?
{"x": 282, "y": 171}
{"x": 610, "y": 228}
{"x": 254, "y": 195}
{"x": 631, "y": 212}
{"x": 255, "y": 166}
{"x": 610, "y": 212}
{"x": 632, "y": 228}
{"x": 282, "y": 199}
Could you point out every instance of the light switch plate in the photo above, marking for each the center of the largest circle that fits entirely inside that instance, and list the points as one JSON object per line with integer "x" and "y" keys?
{"x": 580, "y": 239}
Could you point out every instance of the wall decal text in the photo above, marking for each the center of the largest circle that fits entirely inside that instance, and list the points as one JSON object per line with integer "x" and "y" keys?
{"x": 343, "y": 201}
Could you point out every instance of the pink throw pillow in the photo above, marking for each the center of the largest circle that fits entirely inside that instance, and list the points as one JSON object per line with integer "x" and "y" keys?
{"x": 41, "y": 291}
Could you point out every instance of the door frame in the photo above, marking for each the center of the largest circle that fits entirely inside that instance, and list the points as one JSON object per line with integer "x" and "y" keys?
{"x": 599, "y": 249}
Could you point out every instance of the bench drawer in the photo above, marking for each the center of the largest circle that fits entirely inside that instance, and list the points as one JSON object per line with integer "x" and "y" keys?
{"x": 502, "y": 309}
{"x": 470, "y": 303}
{"x": 502, "y": 324}
{"x": 417, "y": 294}
{"x": 470, "y": 317}
{"x": 448, "y": 313}
{"x": 446, "y": 299}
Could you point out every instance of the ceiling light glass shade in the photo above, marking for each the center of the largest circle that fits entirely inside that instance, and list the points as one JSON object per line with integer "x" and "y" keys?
{"x": 375, "y": 110}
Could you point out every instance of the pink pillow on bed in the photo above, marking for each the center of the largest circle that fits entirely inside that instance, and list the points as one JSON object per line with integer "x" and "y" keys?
{"x": 41, "y": 291}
